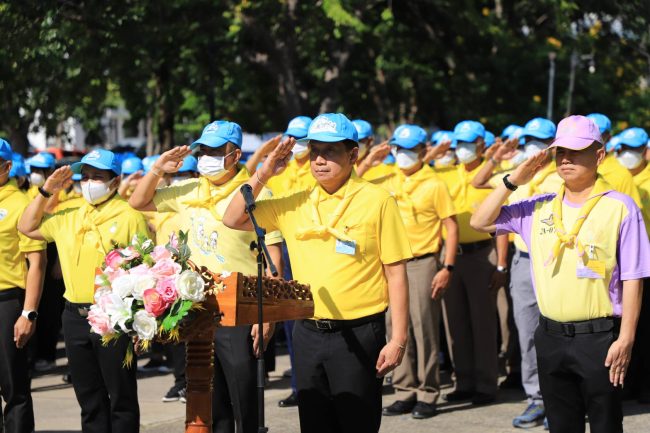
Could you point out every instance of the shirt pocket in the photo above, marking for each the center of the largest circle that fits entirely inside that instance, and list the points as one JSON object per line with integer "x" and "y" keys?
{"x": 358, "y": 232}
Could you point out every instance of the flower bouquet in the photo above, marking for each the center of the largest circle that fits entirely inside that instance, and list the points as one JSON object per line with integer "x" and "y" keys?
{"x": 144, "y": 291}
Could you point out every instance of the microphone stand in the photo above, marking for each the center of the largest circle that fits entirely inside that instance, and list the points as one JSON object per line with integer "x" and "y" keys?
{"x": 261, "y": 252}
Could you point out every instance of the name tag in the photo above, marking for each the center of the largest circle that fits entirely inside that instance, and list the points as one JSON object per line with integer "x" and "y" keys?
{"x": 594, "y": 269}
{"x": 345, "y": 247}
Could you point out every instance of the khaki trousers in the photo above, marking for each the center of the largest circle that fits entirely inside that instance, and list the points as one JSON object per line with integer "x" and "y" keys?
{"x": 418, "y": 376}
{"x": 472, "y": 315}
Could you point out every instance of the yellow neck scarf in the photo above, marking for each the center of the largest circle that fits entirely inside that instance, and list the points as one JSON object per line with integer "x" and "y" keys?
{"x": 319, "y": 230}
{"x": 209, "y": 195}
{"x": 8, "y": 188}
{"x": 91, "y": 218}
{"x": 570, "y": 239}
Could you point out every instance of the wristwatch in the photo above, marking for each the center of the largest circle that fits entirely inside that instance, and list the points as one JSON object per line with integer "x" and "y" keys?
{"x": 511, "y": 186}
{"x": 30, "y": 315}
{"x": 502, "y": 269}
{"x": 44, "y": 193}
{"x": 450, "y": 268}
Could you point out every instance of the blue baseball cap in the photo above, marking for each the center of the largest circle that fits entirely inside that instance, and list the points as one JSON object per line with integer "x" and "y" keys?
{"x": 435, "y": 135}
{"x": 5, "y": 150}
{"x": 218, "y": 133}
{"x": 99, "y": 158}
{"x": 539, "y": 128}
{"x": 331, "y": 128}
{"x": 509, "y": 130}
{"x": 147, "y": 162}
{"x": 469, "y": 130}
{"x": 408, "y": 136}
{"x": 364, "y": 129}
{"x": 633, "y": 137}
{"x": 489, "y": 139}
{"x": 390, "y": 159}
{"x": 602, "y": 122}
{"x": 298, "y": 127}
{"x": 76, "y": 177}
{"x": 131, "y": 165}
{"x": 189, "y": 164}
{"x": 613, "y": 143}
{"x": 18, "y": 168}
{"x": 42, "y": 160}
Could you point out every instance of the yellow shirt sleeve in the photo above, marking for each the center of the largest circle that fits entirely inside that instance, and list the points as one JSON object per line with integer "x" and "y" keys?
{"x": 167, "y": 199}
{"x": 28, "y": 245}
{"x": 442, "y": 202}
{"x": 51, "y": 224}
{"x": 393, "y": 241}
{"x": 272, "y": 237}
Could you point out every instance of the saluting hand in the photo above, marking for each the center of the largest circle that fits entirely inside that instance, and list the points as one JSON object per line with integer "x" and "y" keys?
{"x": 277, "y": 160}
{"x": 437, "y": 152}
{"x": 378, "y": 153}
{"x": 172, "y": 160}
{"x": 59, "y": 180}
{"x": 527, "y": 170}
{"x": 269, "y": 145}
{"x": 490, "y": 151}
{"x": 506, "y": 150}
{"x": 389, "y": 358}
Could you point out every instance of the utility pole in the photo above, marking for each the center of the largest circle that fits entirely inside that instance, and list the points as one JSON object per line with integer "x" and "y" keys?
{"x": 551, "y": 85}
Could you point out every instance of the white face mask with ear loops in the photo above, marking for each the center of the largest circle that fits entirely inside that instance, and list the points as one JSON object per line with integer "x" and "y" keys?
{"x": 630, "y": 159}
{"x": 466, "y": 152}
{"x": 406, "y": 159}
{"x": 95, "y": 192}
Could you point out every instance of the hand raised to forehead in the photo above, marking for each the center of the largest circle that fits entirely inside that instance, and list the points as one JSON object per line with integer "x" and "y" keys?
{"x": 59, "y": 180}
{"x": 172, "y": 160}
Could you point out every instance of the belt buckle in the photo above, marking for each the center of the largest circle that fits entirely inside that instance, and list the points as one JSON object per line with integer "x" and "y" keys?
{"x": 83, "y": 312}
{"x": 569, "y": 329}
{"x": 323, "y": 325}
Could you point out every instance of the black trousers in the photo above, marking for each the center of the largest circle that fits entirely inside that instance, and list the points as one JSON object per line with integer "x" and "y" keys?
{"x": 575, "y": 382}
{"x": 177, "y": 353}
{"x": 48, "y": 325}
{"x": 234, "y": 401}
{"x": 106, "y": 391}
{"x": 338, "y": 390}
{"x": 18, "y": 414}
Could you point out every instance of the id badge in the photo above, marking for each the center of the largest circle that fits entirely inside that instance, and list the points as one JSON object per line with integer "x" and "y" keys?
{"x": 346, "y": 247}
{"x": 594, "y": 269}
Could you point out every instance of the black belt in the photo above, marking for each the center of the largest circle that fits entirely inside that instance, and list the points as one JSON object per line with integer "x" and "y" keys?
{"x": 524, "y": 254}
{"x": 570, "y": 329}
{"x": 423, "y": 256}
{"x": 471, "y": 247}
{"x": 11, "y": 294}
{"x": 80, "y": 309}
{"x": 327, "y": 325}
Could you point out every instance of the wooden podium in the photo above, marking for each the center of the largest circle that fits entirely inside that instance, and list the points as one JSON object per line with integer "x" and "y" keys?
{"x": 231, "y": 301}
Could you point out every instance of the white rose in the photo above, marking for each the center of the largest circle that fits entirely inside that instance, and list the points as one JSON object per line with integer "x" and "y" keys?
{"x": 123, "y": 286}
{"x": 145, "y": 325}
{"x": 190, "y": 286}
{"x": 142, "y": 283}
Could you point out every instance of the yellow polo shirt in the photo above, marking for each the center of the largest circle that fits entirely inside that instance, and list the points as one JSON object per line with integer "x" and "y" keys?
{"x": 346, "y": 278}
{"x": 619, "y": 177}
{"x": 293, "y": 179}
{"x": 213, "y": 245}
{"x": 616, "y": 246}
{"x": 642, "y": 182}
{"x": 13, "y": 244}
{"x": 377, "y": 172}
{"x": 423, "y": 201}
{"x": 466, "y": 201}
{"x": 84, "y": 235}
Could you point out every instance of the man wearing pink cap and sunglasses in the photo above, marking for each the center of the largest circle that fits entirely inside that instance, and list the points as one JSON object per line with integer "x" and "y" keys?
{"x": 589, "y": 252}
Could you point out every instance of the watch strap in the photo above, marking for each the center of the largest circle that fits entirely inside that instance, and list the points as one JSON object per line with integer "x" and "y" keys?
{"x": 511, "y": 186}
{"x": 44, "y": 193}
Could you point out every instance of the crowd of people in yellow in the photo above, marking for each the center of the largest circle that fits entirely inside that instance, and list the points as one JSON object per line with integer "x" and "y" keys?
{"x": 394, "y": 239}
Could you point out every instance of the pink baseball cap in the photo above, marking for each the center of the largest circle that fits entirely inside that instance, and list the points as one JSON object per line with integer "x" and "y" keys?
{"x": 576, "y": 133}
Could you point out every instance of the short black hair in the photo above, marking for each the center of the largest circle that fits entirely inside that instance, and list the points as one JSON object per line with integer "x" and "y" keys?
{"x": 350, "y": 144}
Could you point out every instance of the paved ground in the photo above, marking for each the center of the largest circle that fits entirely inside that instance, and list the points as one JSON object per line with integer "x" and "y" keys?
{"x": 57, "y": 410}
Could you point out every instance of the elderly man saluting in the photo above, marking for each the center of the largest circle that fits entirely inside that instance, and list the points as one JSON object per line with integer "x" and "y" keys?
{"x": 589, "y": 251}
{"x": 347, "y": 240}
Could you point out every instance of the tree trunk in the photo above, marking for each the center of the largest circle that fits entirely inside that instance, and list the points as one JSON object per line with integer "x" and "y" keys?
{"x": 165, "y": 110}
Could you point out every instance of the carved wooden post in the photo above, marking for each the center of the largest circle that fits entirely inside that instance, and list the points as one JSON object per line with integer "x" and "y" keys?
{"x": 199, "y": 373}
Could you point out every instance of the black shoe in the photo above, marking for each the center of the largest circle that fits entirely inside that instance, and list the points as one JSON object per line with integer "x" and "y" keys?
{"x": 67, "y": 378}
{"x": 424, "y": 410}
{"x": 287, "y": 373}
{"x": 455, "y": 396}
{"x": 512, "y": 381}
{"x": 399, "y": 407}
{"x": 482, "y": 398}
{"x": 174, "y": 394}
{"x": 290, "y": 401}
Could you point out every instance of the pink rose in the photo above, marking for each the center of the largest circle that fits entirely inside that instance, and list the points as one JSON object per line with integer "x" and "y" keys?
{"x": 140, "y": 270}
{"x": 99, "y": 321}
{"x": 113, "y": 259}
{"x": 173, "y": 240}
{"x": 104, "y": 301}
{"x": 166, "y": 288}
{"x": 129, "y": 254}
{"x": 160, "y": 253}
{"x": 154, "y": 303}
{"x": 165, "y": 268}
{"x": 112, "y": 273}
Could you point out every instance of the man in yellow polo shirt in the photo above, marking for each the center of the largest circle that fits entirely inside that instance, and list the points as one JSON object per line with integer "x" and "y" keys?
{"x": 200, "y": 204}
{"x": 20, "y": 292}
{"x": 425, "y": 206}
{"x": 347, "y": 241}
{"x": 105, "y": 390}
{"x": 589, "y": 251}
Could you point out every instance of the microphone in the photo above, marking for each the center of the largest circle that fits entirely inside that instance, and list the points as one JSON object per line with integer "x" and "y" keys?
{"x": 247, "y": 192}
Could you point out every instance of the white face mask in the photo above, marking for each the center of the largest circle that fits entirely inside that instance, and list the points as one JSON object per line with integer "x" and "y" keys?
{"x": 630, "y": 159}
{"x": 405, "y": 158}
{"x": 300, "y": 150}
{"x": 212, "y": 167}
{"x": 518, "y": 158}
{"x": 446, "y": 161}
{"x": 466, "y": 152}
{"x": 532, "y": 148}
{"x": 95, "y": 192}
{"x": 37, "y": 179}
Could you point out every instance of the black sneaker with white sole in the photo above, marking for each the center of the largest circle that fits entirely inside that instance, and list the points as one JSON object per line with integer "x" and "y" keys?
{"x": 175, "y": 394}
